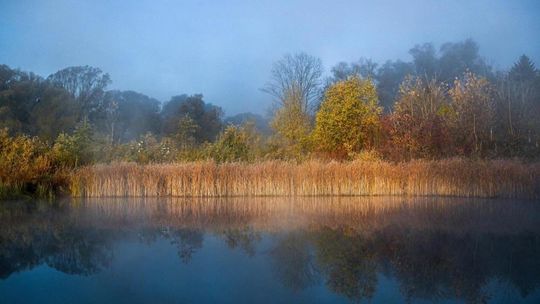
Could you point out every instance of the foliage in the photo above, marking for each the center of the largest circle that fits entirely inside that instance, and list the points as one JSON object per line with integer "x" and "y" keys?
{"x": 295, "y": 85}
{"x": 25, "y": 165}
{"x": 86, "y": 84}
{"x": 77, "y": 149}
{"x": 129, "y": 115}
{"x": 235, "y": 144}
{"x": 147, "y": 149}
{"x": 260, "y": 123}
{"x": 292, "y": 126}
{"x": 348, "y": 120}
{"x": 472, "y": 101}
{"x": 419, "y": 126}
{"x": 207, "y": 117}
{"x": 30, "y": 105}
{"x": 187, "y": 130}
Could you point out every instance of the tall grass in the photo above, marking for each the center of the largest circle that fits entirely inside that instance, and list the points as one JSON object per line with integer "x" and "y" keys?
{"x": 452, "y": 177}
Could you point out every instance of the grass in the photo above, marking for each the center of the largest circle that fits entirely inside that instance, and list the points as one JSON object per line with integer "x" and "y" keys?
{"x": 452, "y": 177}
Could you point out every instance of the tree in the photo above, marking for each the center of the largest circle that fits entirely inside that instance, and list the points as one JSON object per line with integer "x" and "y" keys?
{"x": 187, "y": 130}
{"x": 206, "y": 116}
{"x": 389, "y": 76}
{"x": 425, "y": 60}
{"x": 295, "y": 84}
{"x": 129, "y": 115}
{"x": 85, "y": 83}
{"x": 293, "y": 126}
{"x": 363, "y": 68}
{"x": 21, "y": 92}
{"x": 260, "y": 123}
{"x": 348, "y": 120}
{"x": 523, "y": 70}
{"x": 30, "y": 105}
{"x": 518, "y": 108}
{"x": 472, "y": 101}
{"x": 420, "y": 122}
{"x": 457, "y": 58}
{"x": 74, "y": 150}
{"x": 56, "y": 112}
{"x": 296, "y": 78}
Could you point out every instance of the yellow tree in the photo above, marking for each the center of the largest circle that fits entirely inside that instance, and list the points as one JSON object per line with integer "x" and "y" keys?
{"x": 295, "y": 85}
{"x": 349, "y": 118}
{"x": 292, "y": 124}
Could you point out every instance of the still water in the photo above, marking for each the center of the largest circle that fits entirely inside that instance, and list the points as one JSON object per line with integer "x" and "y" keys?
{"x": 270, "y": 250}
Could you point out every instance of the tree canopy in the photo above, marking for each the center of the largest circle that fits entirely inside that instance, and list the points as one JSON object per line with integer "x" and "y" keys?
{"x": 348, "y": 119}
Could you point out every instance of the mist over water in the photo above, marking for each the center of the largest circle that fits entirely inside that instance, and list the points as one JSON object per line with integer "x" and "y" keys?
{"x": 270, "y": 250}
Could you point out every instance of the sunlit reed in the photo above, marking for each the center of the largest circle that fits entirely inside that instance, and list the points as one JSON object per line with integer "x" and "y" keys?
{"x": 452, "y": 177}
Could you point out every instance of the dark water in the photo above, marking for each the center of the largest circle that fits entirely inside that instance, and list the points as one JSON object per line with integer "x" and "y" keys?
{"x": 309, "y": 250}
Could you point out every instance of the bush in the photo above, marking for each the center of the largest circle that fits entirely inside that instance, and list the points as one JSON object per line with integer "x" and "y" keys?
{"x": 26, "y": 166}
{"x": 232, "y": 145}
{"x": 75, "y": 150}
{"x": 149, "y": 150}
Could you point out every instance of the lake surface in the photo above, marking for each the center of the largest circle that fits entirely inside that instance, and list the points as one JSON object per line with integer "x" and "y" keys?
{"x": 270, "y": 250}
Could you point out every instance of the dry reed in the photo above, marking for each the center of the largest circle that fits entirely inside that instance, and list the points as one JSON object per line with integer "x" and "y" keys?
{"x": 452, "y": 177}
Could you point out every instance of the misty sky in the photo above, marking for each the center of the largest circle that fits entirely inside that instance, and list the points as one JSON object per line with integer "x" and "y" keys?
{"x": 225, "y": 49}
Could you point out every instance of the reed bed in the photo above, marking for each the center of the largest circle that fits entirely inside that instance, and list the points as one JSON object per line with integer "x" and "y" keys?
{"x": 452, "y": 177}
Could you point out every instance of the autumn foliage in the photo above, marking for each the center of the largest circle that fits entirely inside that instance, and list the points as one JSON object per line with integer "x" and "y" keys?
{"x": 349, "y": 118}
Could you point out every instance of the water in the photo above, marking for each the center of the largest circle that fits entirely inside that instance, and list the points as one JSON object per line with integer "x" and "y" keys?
{"x": 270, "y": 250}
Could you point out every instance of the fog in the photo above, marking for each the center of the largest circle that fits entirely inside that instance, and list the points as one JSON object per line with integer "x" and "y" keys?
{"x": 225, "y": 49}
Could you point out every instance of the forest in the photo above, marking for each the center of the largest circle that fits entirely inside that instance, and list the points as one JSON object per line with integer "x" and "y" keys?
{"x": 445, "y": 103}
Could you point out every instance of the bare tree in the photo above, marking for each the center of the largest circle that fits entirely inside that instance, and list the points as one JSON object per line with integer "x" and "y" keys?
{"x": 297, "y": 75}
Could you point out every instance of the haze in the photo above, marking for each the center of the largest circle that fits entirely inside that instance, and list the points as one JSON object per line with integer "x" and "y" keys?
{"x": 225, "y": 50}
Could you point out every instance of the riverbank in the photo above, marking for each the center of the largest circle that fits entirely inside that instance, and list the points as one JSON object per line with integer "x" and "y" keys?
{"x": 451, "y": 177}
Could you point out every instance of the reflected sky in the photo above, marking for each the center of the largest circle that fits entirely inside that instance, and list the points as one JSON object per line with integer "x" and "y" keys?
{"x": 270, "y": 250}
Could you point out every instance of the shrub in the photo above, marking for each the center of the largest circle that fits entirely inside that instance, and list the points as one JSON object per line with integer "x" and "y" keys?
{"x": 234, "y": 144}
{"x": 25, "y": 166}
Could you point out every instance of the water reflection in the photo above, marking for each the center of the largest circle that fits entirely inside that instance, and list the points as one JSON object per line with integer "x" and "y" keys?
{"x": 435, "y": 249}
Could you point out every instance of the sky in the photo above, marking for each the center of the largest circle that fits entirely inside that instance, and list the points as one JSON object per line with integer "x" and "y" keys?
{"x": 225, "y": 49}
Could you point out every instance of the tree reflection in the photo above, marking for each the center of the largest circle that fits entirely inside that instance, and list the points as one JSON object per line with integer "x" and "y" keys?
{"x": 348, "y": 262}
{"x": 244, "y": 238}
{"x": 293, "y": 261}
{"x": 187, "y": 241}
{"x": 75, "y": 251}
{"x": 32, "y": 234}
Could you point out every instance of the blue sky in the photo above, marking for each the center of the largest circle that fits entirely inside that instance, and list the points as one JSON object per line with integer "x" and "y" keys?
{"x": 225, "y": 49}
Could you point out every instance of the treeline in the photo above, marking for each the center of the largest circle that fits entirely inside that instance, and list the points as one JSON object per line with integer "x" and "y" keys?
{"x": 444, "y": 103}
{"x": 441, "y": 104}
